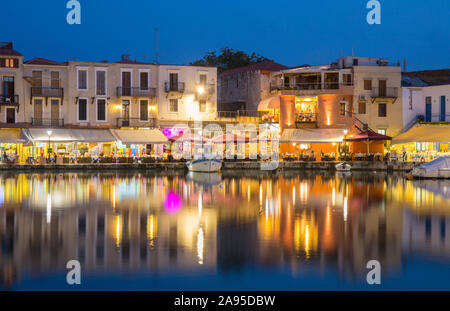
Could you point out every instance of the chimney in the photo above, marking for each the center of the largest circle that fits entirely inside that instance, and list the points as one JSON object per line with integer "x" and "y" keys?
{"x": 404, "y": 65}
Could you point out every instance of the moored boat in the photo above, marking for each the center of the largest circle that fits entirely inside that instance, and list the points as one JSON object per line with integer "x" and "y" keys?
{"x": 438, "y": 168}
{"x": 343, "y": 167}
{"x": 205, "y": 165}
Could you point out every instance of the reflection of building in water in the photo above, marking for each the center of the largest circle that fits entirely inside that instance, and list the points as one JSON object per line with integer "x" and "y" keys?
{"x": 166, "y": 224}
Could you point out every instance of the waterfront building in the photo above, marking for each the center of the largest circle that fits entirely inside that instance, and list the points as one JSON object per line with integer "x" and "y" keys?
{"x": 243, "y": 88}
{"x": 426, "y": 114}
{"x": 79, "y": 106}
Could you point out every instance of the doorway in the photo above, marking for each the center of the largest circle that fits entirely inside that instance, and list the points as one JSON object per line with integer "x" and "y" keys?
{"x": 10, "y": 115}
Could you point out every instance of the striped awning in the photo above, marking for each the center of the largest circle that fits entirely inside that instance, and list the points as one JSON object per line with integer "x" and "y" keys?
{"x": 312, "y": 136}
{"x": 425, "y": 133}
{"x": 140, "y": 137}
{"x": 12, "y": 136}
{"x": 71, "y": 135}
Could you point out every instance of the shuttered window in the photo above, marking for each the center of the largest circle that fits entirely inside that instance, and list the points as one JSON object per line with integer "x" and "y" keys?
{"x": 82, "y": 79}
{"x": 202, "y": 106}
{"x": 144, "y": 80}
{"x": 100, "y": 82}
{"x": 101, "y": 110}
{"x": 144, "y": 110}
{"x": 173, "y": 105}
{"x": 54, "y": 75}
{"x": 82, "y": 109}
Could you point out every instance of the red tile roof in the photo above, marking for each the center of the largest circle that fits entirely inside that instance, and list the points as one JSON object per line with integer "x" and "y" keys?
{"x": 6, "y": 48}
{"x": 43, "y": 62}
{"x": 265, "y": 65}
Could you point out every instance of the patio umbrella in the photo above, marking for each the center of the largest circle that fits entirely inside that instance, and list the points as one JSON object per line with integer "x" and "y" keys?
{"x": 368, "y": 137}
{"x": 189, "y": 137}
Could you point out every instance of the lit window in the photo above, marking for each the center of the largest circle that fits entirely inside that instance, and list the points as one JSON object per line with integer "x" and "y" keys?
{"x": 382, "y": 131}
{"x": 173, "y": 105}
{"x": 343, "y": 109}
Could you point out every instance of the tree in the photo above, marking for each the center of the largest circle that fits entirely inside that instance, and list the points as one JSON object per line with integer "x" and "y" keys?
{"x": 228, "y": 59}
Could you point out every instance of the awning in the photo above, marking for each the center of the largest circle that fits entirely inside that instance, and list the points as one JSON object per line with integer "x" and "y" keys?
{"x": 12, "y": 136}
{"x": 71, "y": 135}
{"x": 153, "y": 136}
{"x": 423, "y": 133}
{"x": 270, "y": 103}
{"x": 312, "y": 136}
{"x": 369, "y": 136}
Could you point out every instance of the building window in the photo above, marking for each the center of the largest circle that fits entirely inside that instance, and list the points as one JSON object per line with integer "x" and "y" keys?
{"x": 203, "y": 79}
{"x": 173, "y": 105}
{"x": 9, "y": 63}
{"x": 382, "y": 110}
{"x": 82, "y": 79}
{"x": 362, "y": 108}
{"x": 428, "y": 100}
{"x": 347, "y": 79}
{"x": 100, "y": 82}
{"x": 382, "y": 131}
{"x": 82, "y": 110}
{"x": 202, "y": 106}
{"x": 355, "y": 62}
{"x": 54, "y": 77}
{"x": 144, "y": 80}
{"x": 143, "y": 110}
{"x": 342, "y": 109}
{"x": 101, "y": 109}
{"x": 367, "y": 85}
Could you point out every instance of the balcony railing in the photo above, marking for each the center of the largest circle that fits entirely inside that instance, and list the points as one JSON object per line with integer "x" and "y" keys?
{"x": 385, "y": 92}
{"x": 9, "y": 100}
{"x": 136, "y": 122}
{"x": 238, "y": 115}
{"x": 136, "y": 92}
{"x": 306, "y": 118}
{"x": 174, "y": 87}
{"x": 48, "y": 122}
{"x": 436, "y": 117}
{"x": 47, "y": 91}
{"x": 308, "y": 86}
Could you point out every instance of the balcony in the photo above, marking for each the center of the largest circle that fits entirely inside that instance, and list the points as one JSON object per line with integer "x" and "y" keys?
{"x": 306, "y": 120}
{"x": 46, "y": 92}
{"x": 136, "y": 122}
{"x": 135, "y": 92}
{"x": 6, "y": 100}
{"x": 385, "y": 92}
{"x": 174, "y": 87}
{"x": 435, "y": 118}
{"x": 47, "y": 122}
{"x": 312, "y": 88}
{"x": 248, "y": 116}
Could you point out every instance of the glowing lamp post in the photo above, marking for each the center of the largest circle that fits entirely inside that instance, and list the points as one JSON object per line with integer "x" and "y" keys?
{"x": 49, "y": 149}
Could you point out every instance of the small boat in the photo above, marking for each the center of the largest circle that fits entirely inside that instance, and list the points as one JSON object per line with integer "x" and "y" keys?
{"x": 204, "y": 165}
{"x": 438, "y": 168}
{"x": 343, "y": 167}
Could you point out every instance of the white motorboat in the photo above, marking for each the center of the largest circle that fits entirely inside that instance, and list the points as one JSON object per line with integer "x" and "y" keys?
{"x": 205, "y": 165}
{"x": 438, "y": 168}
{"x": 343, "y": 167}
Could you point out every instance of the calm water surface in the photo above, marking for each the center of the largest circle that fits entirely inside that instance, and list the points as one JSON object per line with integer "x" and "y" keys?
{"x": 233, "y": 231}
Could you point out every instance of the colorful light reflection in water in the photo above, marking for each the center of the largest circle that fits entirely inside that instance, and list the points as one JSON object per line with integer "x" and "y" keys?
{"x": 173, "y": 202}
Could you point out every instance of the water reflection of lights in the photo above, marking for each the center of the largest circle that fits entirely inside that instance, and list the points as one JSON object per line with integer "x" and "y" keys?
{"x": 49, "y": 208}
{"x": 200, "y": 203}
{"x": 305, "y": 235}
{"x": 345, "y": 208}
{"x": 293, "y": 194}
{"x": 200, "y": 240}
{"x": 152, "y": 229}
{"x": 333, "y": 197}
{"x": 118, "y": 229}
{"x": 303, "y": 193}
{"x": 172, "y": 202}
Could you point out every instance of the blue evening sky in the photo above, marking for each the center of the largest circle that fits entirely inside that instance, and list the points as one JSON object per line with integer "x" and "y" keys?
{"x": 291, "y": 32}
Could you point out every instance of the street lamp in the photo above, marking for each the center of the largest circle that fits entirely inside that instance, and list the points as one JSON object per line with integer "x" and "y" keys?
{"x": 49, "y": 149}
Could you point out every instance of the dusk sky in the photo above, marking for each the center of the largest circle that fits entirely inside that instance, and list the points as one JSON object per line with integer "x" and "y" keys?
{"x": 292, "y": 32}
